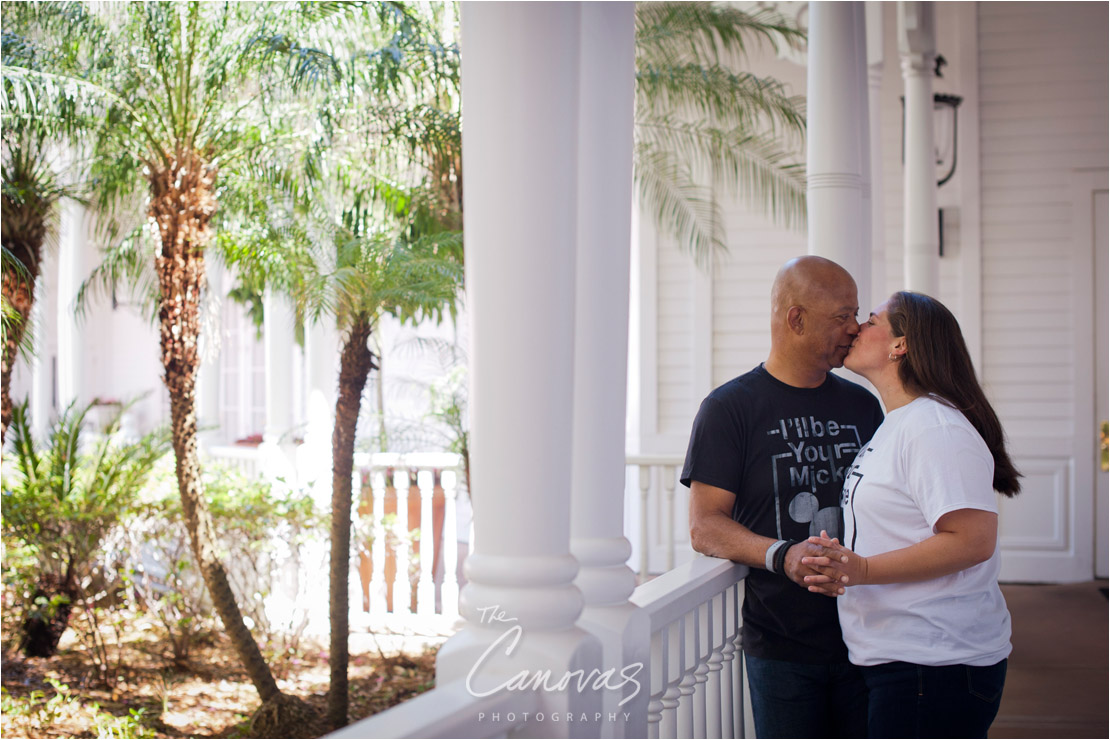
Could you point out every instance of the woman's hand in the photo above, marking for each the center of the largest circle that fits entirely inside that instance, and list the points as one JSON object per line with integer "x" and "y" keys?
{"x": 844, "y": 568}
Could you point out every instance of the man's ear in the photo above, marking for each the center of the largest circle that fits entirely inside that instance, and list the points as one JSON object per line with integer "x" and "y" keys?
{"x": 795, "y": 319}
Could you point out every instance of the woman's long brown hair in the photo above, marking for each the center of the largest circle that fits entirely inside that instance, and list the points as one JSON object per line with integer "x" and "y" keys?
{"x": 937, "y": 362}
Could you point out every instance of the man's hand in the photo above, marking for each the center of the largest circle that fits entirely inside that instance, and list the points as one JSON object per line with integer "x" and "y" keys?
{"x": 808, "y": 564}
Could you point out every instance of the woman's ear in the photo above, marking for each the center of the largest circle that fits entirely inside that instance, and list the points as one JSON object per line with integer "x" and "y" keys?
{"x": 899, "y": 347}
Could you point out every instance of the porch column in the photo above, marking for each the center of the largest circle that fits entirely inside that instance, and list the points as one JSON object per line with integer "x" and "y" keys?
{"x": 873, "y": 14}
{"x": 42, "y": 361}
{"x": 607, "y": 87}
{"x": 277, "y": 340}
{"x": 208, "y": 377}
{"x": 521, "y": 72}
{"x": 71, "y": 242}
{"x": 836, "y": 114}
{"x": 321, "y": 347}
{"x": 917, "y": 49}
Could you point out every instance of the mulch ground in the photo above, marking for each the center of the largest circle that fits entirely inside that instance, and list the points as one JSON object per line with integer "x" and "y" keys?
{"x": 210, "y": 697}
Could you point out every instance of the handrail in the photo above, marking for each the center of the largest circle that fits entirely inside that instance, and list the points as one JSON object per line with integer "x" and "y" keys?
{"x": 668, "y": 597}
{"x": 447, "y": 711}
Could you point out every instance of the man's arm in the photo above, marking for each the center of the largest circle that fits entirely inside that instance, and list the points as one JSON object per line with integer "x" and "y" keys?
{"x": 714, "y": 532}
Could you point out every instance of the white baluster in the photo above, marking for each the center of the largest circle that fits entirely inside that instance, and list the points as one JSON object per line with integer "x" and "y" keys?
{"x": 449, "y": 590}
{"x": 658, "y": 679}
{"x": 668, "y": 726}
{"x": 426, "y": 588}
{"x": 738, "y": 665}
{"x": 645, "y": 546}
{"x": 714, "y": 662}
{"x": 378, "y": 586}
{"x": 402, "y": 587}
{"x": 668, "y": 489}
{"x": 688, "y": 645}
{"x": 354, "y": 575}
{"x": 729, "y": 656}
{"x": 701, "y": 670}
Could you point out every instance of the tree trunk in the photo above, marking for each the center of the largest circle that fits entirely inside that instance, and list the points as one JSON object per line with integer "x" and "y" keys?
{"x": 182, "y": 202}
{"x": 355, "y": 365}
{"x": 19, "y": 294}
{"x": 24, "y": 232}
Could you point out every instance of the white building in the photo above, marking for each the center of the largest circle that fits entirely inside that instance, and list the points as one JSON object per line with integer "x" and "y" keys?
{"x": 548, "y": 95}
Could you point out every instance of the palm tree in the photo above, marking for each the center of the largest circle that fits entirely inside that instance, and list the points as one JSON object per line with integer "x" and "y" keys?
{"x": 697, "y": 120}
{"x": 33, "y": 186}
{"x": 367, "y": 227}
{"x": 187, "y": 91}
{"x": 29, "y": 210}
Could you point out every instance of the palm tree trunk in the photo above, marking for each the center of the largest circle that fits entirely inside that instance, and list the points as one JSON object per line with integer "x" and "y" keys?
{"x": 182, "y": 202}
{"x": 19, "y": 294}
{"x": 23, "y": 234}
{"x": 355, "y": 364}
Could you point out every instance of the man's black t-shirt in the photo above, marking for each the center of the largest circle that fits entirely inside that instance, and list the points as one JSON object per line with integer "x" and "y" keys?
{"x": 783, "y": 451}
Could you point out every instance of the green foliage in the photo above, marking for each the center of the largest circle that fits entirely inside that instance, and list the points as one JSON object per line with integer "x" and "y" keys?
{"x": 701, "y": 125}
{"x": 63, "y": 497}
{"x": 111, "y": 727}
{"x": 259, "y": 529}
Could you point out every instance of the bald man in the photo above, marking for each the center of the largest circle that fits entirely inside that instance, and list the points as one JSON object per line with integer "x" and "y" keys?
{"x": 765, "y": 467}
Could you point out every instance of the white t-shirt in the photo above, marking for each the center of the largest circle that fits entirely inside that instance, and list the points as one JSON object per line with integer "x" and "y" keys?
{"x": 923, "y": 462}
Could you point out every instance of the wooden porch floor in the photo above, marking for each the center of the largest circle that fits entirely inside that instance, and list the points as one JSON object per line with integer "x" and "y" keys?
{"x": 1058, "y": 681}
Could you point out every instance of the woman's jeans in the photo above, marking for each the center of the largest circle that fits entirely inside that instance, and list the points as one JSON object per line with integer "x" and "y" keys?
{"x": 909, "y": 700}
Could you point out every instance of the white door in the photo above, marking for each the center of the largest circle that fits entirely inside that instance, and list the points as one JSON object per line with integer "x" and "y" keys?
{"x": 1055, "y": 531}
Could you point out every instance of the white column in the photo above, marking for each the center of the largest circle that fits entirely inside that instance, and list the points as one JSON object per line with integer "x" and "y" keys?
{"x": 866, "y": 136}
{"x": 605, "y": 115}
{"x": 520, "y": 153}
{"x": 917, "y": 49}
{"x": 874, "y": 30}
{"x": 835, "y": 115}
{"x": 277, "y": 339}
{"x": 43, "y": 311}
{"x": 314, "y": 457}
{"x": 71, "y": 241}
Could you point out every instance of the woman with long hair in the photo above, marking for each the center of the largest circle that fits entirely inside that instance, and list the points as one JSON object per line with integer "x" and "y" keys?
{"x": 917, "y": 573}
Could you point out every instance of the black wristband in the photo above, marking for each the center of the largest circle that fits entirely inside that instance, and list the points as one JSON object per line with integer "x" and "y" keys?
{"x": 780, "y": 557}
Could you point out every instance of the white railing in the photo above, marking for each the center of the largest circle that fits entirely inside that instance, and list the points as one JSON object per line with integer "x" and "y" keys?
{"x": 411, "y": 564}
{"x": 448, "y": 711}
{"x": 422, "y": 489}
{"x": 659, "y": 511}
{"x": 245, "y": 459}
{"x": 696, "y": 667}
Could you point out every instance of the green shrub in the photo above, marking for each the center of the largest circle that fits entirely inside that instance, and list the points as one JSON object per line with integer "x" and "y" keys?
{"x": 60, "y": 500}
{"x": 260, "y": 532}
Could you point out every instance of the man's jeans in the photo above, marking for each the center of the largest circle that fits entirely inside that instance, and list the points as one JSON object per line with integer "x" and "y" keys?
{"x": 909, "y": 700}
{"x": 806, "y": 700}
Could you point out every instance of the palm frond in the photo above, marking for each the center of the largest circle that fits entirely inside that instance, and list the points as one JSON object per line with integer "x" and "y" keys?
{"x": 679, "y": 206}
{"x": 728, "y": 99}
{"x": 753, "y": 167}
{"x": 669, "y": 33}
{"x": 126, "y": 266}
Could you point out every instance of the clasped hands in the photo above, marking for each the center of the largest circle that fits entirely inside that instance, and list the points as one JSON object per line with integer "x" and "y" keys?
{"x": 832, "y": 570}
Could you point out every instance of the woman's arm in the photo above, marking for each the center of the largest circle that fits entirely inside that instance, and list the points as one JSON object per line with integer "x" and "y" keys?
{"x": 963, "y": 538}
